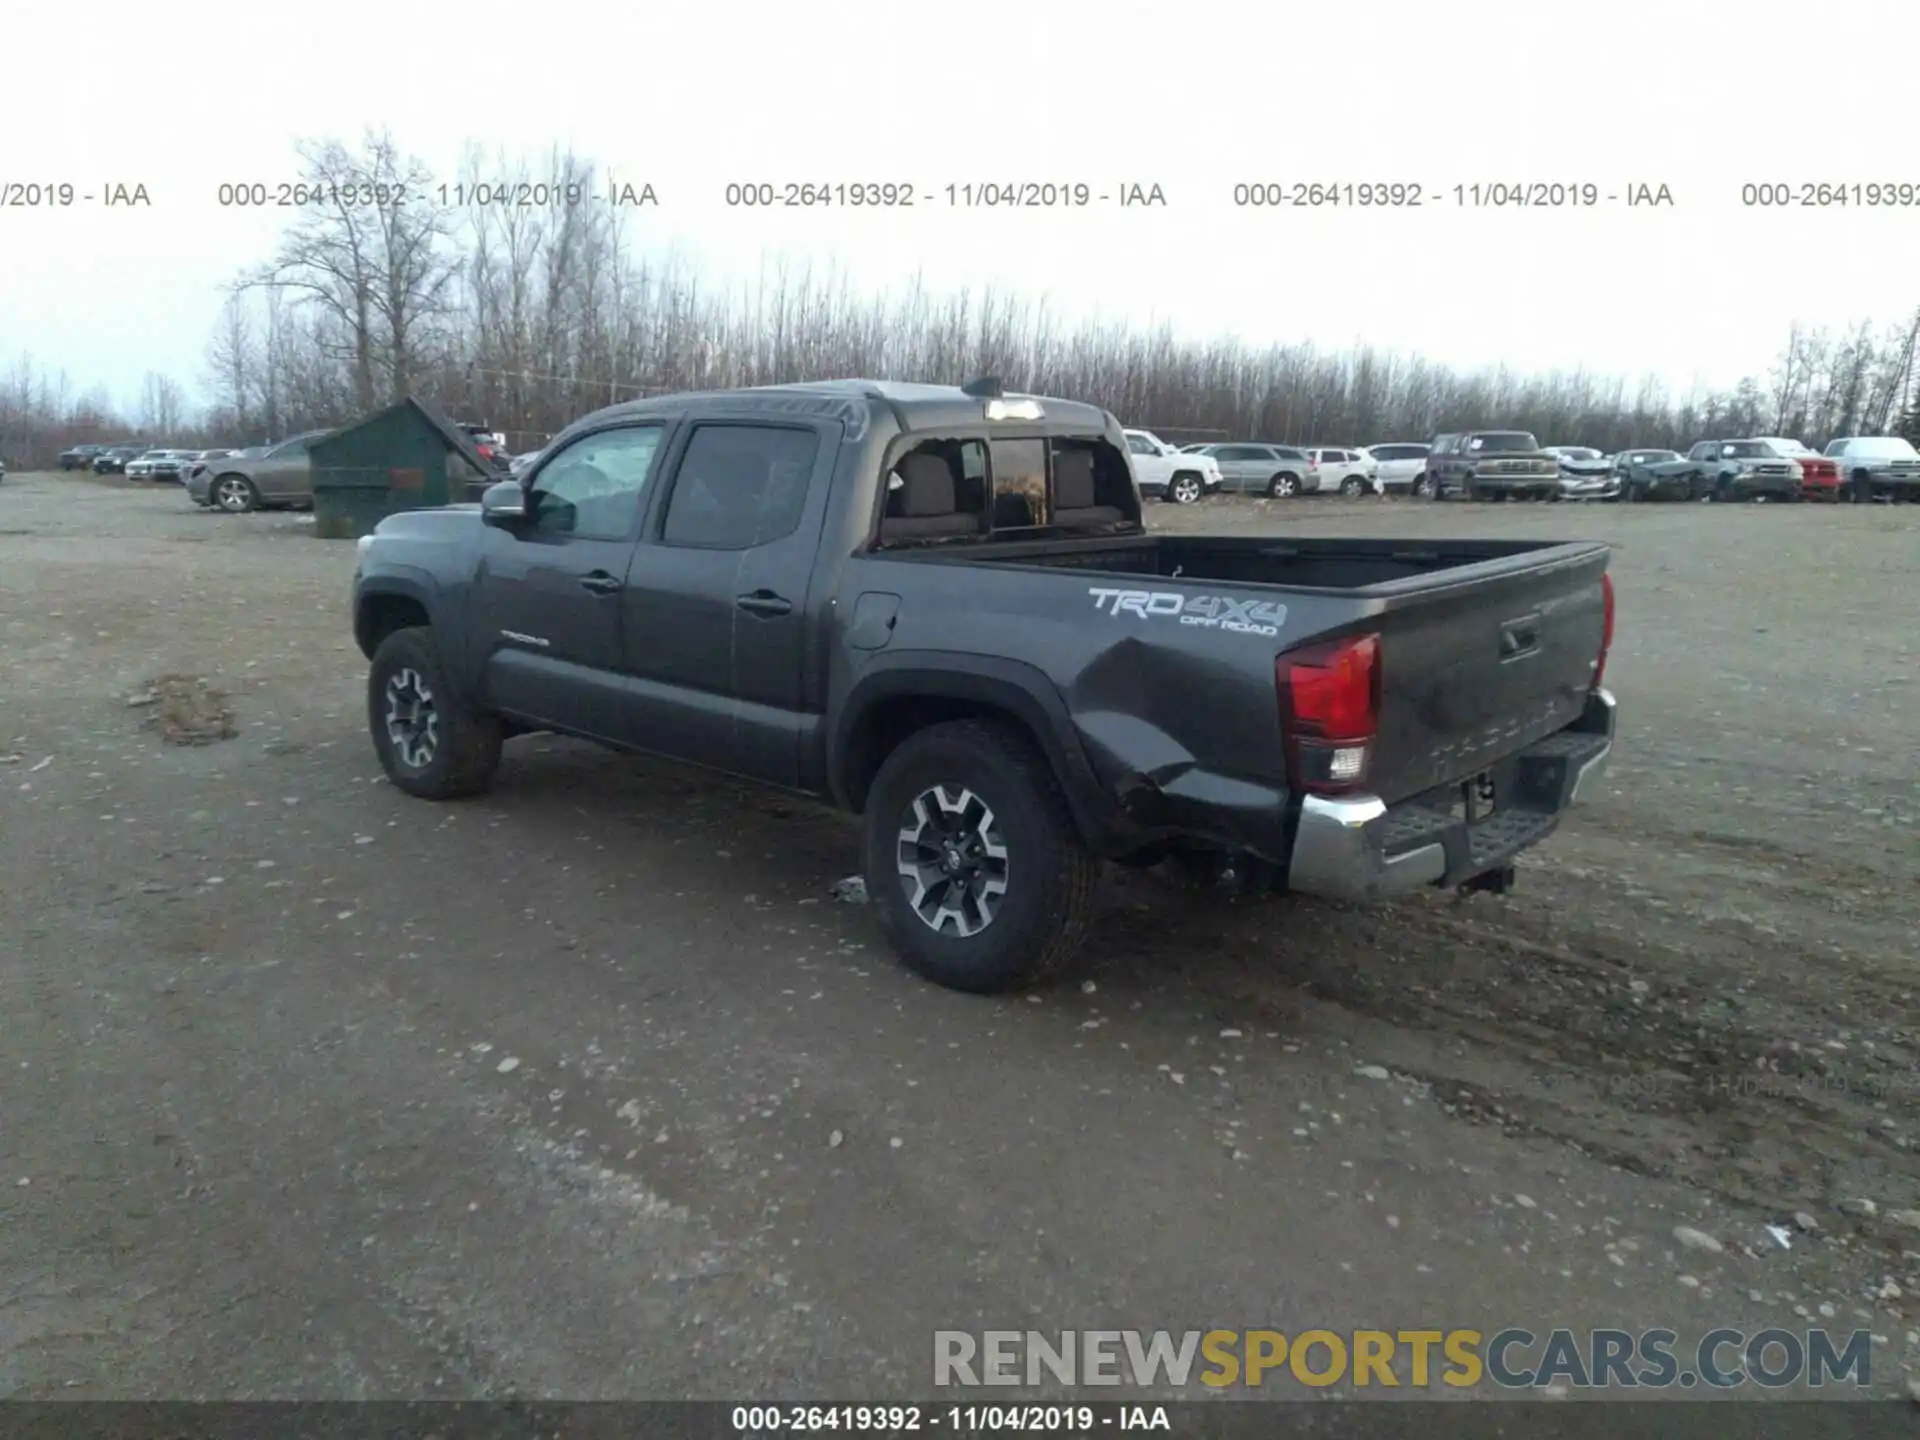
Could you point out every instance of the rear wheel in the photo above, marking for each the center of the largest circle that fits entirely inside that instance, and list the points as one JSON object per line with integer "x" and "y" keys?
{"x": 1353, "y": 487}
{"x": 979, "y": 875}
{"x": 1426, "y": 487}
{"x": 1184, "y": 490}
{"x": 1283, "y": 486}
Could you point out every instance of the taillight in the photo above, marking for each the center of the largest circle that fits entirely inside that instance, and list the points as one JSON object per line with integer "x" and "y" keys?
{"x": 1329, "y": 712}
{"x": 1606, "y": 629}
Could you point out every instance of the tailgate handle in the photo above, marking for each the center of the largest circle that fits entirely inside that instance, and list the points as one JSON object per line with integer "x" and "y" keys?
{"x": 1520, "y": 637}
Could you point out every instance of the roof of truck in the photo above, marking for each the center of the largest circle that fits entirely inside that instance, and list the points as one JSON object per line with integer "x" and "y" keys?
{"x": 916, "y": 407}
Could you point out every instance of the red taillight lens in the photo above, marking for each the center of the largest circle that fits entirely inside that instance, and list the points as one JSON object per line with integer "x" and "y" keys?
{"x": 1329, "y": 712}
{"x": 1606, "y": 630}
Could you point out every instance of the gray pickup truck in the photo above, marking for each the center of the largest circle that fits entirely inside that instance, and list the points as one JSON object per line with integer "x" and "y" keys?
{"x": 937, "y": 607}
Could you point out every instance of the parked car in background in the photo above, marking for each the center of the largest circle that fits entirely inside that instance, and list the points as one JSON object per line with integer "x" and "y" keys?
{"x": 170, "y": 465}
{"x": 1876, "y": 467}
{"x": 1258, "y": 468}
{"x": 1338, "y": 470}
{"x": 1492, "y": 465}
{"x": 141, "y": 466}
{"x": 80, "y": 457}
{"x": 1728, "y": 471}
{"x": 277, "y": 475}
{"x": 491, "y": 444}
{"x": 519, "y": 463}
{"x": 157, "y": 465}
{"x": 1647, "y": 475}
{"x": 3, "y": 470}
{"x": 1819, "y": 476}
{"x": 1400, "y": 464}
{"x": 1160, "y": 470}
{"x": 1585, "y": 474}
{"x": 115, "y": 459}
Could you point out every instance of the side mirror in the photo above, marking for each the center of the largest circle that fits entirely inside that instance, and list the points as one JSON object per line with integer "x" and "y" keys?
{"x": 504, "y": 505}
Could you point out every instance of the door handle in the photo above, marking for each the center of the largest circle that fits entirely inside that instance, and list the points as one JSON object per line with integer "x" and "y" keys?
{"x": 764, "y": 602}
{"x": 600, "y": 582}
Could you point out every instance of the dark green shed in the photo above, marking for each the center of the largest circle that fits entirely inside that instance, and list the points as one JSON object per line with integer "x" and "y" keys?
{"x": 409, "y": 456}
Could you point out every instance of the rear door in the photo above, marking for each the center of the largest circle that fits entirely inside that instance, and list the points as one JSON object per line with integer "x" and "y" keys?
{"x": 717, "y": 613}
{"x": 1474, "y": 668}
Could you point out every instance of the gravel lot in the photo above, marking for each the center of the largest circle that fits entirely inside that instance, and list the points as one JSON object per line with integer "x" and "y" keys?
{"x": 589, "y": 1088}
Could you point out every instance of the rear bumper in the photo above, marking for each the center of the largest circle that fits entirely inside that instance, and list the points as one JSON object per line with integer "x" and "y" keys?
{"x": 1360, "y": 848}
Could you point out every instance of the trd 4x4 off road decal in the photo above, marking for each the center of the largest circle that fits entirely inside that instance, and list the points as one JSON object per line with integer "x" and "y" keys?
{"x": 1210, "y": 612}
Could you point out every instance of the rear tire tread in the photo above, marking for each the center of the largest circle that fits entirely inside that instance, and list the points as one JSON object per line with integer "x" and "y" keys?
{"x": 1021, "y": 955}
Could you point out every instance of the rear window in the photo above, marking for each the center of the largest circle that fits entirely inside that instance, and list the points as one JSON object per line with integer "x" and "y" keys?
{"x": 1503, "y": 441}
{"x": 739, "y": 486}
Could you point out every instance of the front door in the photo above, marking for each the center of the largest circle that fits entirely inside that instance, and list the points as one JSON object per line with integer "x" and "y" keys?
{"x": 717, "y": 603}
{"x": 549, "y": 594}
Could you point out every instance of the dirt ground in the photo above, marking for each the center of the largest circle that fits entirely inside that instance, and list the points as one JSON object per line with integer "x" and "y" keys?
{"x": 591, "y": 1088}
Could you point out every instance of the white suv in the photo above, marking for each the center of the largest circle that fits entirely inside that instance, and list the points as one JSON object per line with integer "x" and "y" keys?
{"x": 1172, "y": 474}
{"x": 1401, "y": 464}
{"x": 1352, "y": 473}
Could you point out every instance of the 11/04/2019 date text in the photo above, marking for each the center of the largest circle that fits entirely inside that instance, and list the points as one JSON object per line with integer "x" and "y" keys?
{"x": 966, "y": 195}
{"x": 1473, "y": 195}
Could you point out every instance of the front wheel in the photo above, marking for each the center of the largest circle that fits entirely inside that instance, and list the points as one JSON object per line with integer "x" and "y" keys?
{"x": 1283, "y": 486}
{"x": 430, "y": 743}
{"x": 1184, "y": 490}
{"x": 980, "y": 877}
{"x": 235, "y": 494}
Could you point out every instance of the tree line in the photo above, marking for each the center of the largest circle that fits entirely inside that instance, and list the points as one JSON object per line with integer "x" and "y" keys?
{"x": 526, "y": 317}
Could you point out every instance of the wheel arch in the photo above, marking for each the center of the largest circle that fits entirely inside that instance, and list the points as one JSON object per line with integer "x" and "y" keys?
{"x": 387, "y": 603}
{"x": 906, "y": 693}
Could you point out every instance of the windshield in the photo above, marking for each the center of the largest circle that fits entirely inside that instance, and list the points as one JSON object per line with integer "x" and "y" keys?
{"x": 1654, "y": 457}
{"x": 1747, "y": 449}
{"x": 1503, "y": 441}
{"x": 1886, "y": 447}
{"x": 1578, "y": 452}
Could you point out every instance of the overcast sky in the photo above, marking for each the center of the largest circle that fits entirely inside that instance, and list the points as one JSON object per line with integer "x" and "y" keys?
{"x": 1702, "y": 96}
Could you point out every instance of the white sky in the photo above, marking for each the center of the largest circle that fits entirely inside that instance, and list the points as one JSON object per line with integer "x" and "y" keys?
{"x": 1702, "y": 95}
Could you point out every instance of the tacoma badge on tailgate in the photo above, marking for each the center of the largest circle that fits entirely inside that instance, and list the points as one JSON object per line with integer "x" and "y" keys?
{"x": 1212, "y": 612}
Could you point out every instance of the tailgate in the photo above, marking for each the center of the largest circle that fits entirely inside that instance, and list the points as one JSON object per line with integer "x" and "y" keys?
{"x": 1479, "y": 662}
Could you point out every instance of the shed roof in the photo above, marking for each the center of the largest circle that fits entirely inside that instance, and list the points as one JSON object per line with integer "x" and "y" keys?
{"x": 457, "y": 440}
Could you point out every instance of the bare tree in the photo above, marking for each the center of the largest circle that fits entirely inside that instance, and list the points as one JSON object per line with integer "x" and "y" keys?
{"x": 233, "y": 360}
{"x": 371, "y": 255}
{"x": 163, "y": 406}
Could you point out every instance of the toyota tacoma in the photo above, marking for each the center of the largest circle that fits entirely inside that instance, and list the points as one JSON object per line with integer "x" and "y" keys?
{"x": 937, "y": 607}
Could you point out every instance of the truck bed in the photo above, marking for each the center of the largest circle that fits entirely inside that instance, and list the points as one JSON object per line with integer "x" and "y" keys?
{"x": 1486, "y": 646}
